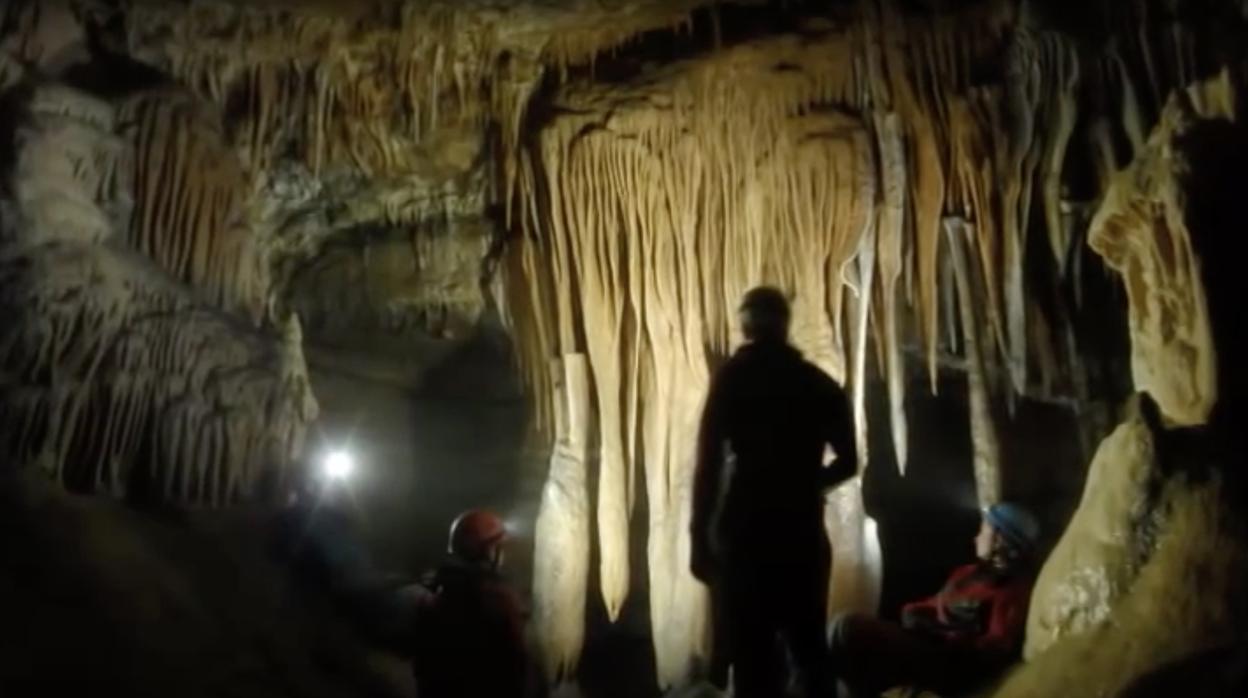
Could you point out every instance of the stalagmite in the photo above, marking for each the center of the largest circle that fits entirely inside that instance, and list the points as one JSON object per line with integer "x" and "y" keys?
{"x": 561, "y": 559}
{"x": 983, "y": 424}
{"x": 1098, "y": 557}
{"x": 1158, "y": 517}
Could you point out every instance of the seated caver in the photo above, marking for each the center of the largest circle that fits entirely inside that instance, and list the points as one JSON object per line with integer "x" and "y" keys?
{"x": 470, "y": 628}
{"x": 958, "y": 638}
{"x": 318, "y": 536}
{"x": 317, "y": 533}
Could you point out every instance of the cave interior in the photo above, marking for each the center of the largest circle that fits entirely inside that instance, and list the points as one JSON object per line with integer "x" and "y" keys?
{"x": 493, "y": 250}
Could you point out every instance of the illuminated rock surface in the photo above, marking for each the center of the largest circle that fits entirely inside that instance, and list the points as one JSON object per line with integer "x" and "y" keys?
{"x": 1153, "y": 567}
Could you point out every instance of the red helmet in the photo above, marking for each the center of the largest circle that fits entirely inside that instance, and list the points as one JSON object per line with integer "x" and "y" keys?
{"x": 475, "y": 533}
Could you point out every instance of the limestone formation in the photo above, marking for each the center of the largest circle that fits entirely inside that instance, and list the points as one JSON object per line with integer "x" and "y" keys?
{"x": 188, "y": 181}
{"x": 1142, "y": 233}
{"x": 1108, "y": 540}
{"x": 117, "y": 377}
{"x": 1187, "y": 598}
{"x": 1151, "y": 568}
{"x": 561, "y": 562}
{"x": 984, "y": 437}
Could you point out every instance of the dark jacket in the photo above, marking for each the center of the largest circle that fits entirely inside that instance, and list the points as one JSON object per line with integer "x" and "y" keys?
{"x": 771, "y": 414}
{"x": 471, "y": 637}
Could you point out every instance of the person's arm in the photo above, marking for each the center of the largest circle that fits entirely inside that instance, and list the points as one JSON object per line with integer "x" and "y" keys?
{"x": 928, "y": 615}
{"x": 922, "y": 616}
{"x": 1007, "y": 621}
{"x": 840, "y": 434}
{"x": 707, "y": 476}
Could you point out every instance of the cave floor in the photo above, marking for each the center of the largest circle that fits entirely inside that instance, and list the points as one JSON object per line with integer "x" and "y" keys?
{"x": 97, "y": 597}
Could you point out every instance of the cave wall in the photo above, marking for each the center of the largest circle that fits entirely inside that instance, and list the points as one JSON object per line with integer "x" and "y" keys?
{"x": 131, "y": 362}
{"x": 1162, "y": 506}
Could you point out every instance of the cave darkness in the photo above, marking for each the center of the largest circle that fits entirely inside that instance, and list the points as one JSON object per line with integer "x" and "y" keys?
{"x": 489, "y": 254}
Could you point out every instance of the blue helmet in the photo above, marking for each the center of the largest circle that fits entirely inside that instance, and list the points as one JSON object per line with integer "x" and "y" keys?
{"x": 1015, "y": 524}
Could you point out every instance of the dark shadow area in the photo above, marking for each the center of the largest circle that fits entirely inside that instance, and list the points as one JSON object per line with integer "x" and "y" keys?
{"x": 98, "y": 599}
{"x": 461, "y": 442}
{"x": 618, "y": 660}
{"x": 928, "y": 518}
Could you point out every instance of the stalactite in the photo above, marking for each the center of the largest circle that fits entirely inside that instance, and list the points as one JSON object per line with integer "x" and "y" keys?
{"x": 561, "y": 559}
{"x": 863, "y": 281}
{"x": 1016, "y": 164}
{"x": 598, "y": 252}
{"x": 1062, "y": 110}
{"x": 976, "y": 126}
{"x": 984, "y": 438}
{"x": 188, "y": 196}
{"x": 141, "y": 382}
{"x": 678, "y": 379}
{"x": 891, "y": 231}
{"x": 928, "y": 206}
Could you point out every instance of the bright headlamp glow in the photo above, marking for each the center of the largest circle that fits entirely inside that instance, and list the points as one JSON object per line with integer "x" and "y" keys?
{"x": 339, "y": 465}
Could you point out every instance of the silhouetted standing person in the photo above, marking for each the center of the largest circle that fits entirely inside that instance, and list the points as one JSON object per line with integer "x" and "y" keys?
{"x": 758, "y": 535}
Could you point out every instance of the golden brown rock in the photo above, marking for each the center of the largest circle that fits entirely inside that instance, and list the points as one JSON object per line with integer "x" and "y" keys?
{"x": 1142, "y": 233}
{"x": 1098, "y": 558}
{"x": 1152, "y": 567}
{"x": 561, "y": 559}
{"x": 1186, "y": 598}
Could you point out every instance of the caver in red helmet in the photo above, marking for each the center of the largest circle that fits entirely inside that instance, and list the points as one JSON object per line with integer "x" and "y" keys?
{"x": 475, "y": 534}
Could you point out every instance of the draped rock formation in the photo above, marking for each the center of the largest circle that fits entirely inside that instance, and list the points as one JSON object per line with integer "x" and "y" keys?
{"x": 1161, "y": 516}
{"x": 827, "y": 161}
{"x": 1142, "y": 230}
{"x": 116, "y": 377}
{"x": 1142, "y": 233}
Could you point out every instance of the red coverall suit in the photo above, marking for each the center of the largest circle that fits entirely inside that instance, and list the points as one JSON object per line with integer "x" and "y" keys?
{"x": 970, "y": 630}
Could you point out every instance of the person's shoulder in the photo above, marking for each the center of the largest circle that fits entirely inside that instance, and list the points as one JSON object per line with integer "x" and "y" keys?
{"x": 821, "y": 379}
{"x": 738, "y": 363}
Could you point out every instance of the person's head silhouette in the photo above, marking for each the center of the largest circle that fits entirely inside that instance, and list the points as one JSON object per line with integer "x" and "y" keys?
{"x": 765, "y": 315}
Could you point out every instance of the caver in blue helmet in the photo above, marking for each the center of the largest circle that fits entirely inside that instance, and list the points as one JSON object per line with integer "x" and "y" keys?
{"x": 959, "y": 637}
{"x": 1015, "y": 523}
{"x": 1009, "y": 534}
